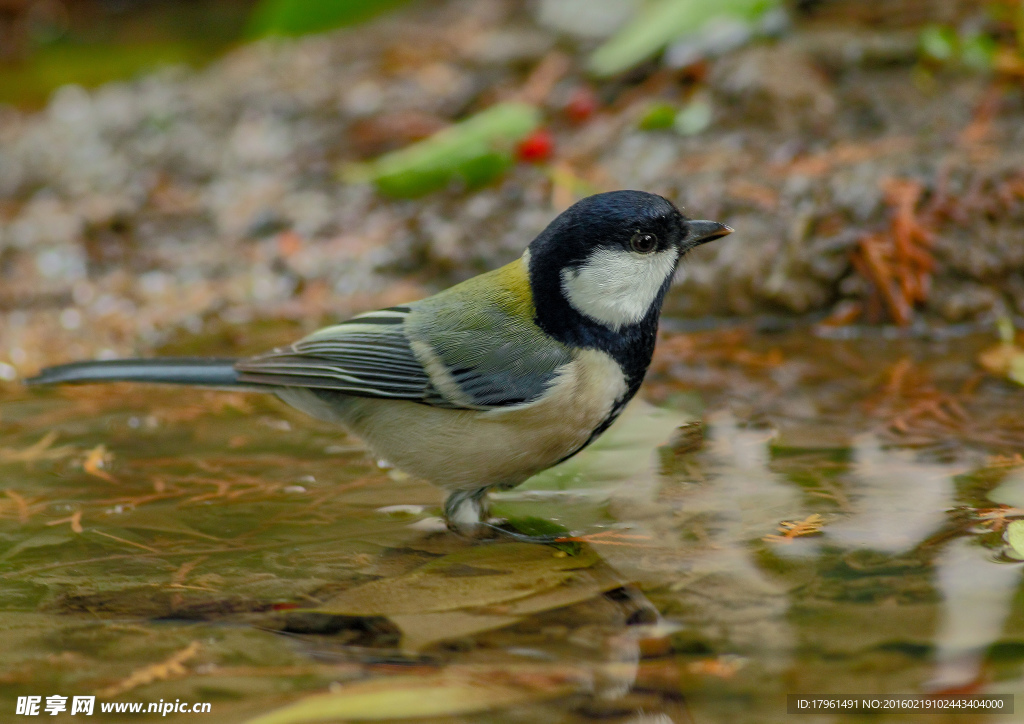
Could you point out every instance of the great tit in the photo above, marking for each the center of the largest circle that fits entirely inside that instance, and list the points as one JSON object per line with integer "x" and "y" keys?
{"x": 489, "y": 382}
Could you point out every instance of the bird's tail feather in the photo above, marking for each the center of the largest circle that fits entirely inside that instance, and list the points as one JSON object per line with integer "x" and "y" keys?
{"x": 204, "y": 372}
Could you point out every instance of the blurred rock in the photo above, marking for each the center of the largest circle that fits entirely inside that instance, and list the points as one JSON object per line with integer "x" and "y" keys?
{"x": 885, "y": 13}
{"x": 148, "y": 206}
{"x": 967, "y": 301}
{"x": 774, "y": 83}
{"x": 842, "y": 48}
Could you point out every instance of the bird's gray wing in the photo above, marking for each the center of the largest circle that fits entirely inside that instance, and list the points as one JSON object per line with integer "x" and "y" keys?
{"x": 451, "y": 350}
{"x": 368, "y": 356}
{"x": 485, "y": 355}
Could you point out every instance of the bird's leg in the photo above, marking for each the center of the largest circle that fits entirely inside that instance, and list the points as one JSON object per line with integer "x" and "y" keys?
{"x": 466, "y": 513}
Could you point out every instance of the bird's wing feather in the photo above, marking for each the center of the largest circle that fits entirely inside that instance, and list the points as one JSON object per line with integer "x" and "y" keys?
{"x": 465, "y": 348}
{"x": 368, "y": 356}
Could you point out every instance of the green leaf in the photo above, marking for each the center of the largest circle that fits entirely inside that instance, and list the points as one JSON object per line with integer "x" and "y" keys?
{"x": 475, "y": 151}
{"x": 532, "y": 525}
{"x": 978, "y": 52}
{"x": 1016, "y": 372}
{"x": 695, "y": 118}
{"x": 1015, "y": 537}
{"x": 299, "y": 17}
{"x": 1007, "y": 334}
{"x": 664, "y": 21}
{"x": 542, "y": 528}
{"x": 939, "y": 43}
{"x": 658, "y": 116}
{"x": 1020, "y": 26}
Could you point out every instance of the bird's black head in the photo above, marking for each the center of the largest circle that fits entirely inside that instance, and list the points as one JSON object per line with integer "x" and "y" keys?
{"x": 600, "y": 270}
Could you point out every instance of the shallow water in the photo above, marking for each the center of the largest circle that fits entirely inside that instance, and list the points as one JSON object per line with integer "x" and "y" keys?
{"x": 220, "y": 548}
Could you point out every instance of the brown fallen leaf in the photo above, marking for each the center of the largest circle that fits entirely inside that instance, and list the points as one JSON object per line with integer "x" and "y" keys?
{"x": 722, "y": 667}
{"x": 41, "y": 450}
{"x": 95, "y": 462}
{"x": 791, "y": 529}
{"x": 543, "y": 79}
{"x": 998, "y": 518}
{"x": 74, "y": 519}
{"x": 24, "y": 512}
{"x": 1005, "y": 461}
{"x": 171, "y": 668}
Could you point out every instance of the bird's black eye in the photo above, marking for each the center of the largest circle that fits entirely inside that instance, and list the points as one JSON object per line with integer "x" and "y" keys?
{"x": 643, "y": 243}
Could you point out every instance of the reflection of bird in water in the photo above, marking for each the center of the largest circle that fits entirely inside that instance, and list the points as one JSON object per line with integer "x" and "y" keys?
{"x": 977, "y": 593}
{"x": 701, "y": 543}
{"x": 898, "y": 500}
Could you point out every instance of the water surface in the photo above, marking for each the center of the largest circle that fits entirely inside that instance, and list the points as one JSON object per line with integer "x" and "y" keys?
{"x": 836, "y": 527}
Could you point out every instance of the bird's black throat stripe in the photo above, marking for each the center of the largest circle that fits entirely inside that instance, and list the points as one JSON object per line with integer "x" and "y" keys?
{"x": 632, "y": 347}
{"x": 617, "y": 409}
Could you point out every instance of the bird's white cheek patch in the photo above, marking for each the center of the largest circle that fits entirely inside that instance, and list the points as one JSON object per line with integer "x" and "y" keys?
{"x": 617, "y": 287}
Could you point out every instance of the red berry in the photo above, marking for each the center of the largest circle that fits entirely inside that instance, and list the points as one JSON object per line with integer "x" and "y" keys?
{"x": 536, "y": 147}
{"x": 582, "y": 105}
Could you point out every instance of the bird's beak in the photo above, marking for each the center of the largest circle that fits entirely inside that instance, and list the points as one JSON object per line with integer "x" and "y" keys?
{"x": 701, "y": 232}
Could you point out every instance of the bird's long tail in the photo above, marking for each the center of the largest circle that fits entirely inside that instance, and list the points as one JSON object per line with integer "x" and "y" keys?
{"x": 204, "y": 372}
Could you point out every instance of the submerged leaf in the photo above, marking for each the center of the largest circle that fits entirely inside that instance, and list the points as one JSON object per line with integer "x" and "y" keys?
{"x": 482, "y": 576}
{"x": 447, "y": 694}
{"x": 420, "y": 630}
{"x": 792, "y": 529}
{"x": 658, "y": 116}
{"x": 298, "y": 17}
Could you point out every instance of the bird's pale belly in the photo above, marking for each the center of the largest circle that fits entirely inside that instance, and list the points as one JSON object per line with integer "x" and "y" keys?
{"x": 467, "y": 449}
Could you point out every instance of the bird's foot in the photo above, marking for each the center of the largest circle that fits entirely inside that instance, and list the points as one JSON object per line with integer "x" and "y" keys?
{"x": 466, "y": 513}
{"x": 504, "y": 529}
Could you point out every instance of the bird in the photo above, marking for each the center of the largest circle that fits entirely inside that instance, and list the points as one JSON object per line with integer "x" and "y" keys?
{"x": 491, "y": 381}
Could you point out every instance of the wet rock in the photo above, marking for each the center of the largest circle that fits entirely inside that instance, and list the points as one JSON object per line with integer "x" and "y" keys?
{"x": 843, "y": 48}
{"x": 1015, "y": 288}
{"x": 985, "y": 250}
